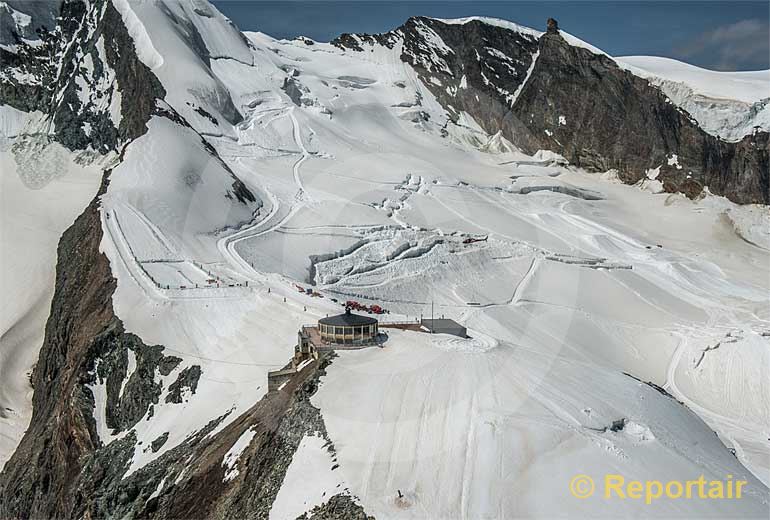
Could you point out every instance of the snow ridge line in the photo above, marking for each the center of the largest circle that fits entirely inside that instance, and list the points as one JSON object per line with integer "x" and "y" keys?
{"x": 145, "y": 50}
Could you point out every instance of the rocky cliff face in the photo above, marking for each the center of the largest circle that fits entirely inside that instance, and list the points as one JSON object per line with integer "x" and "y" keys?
{"x": 545, "y": 92}
{"x": 28, "y": 69}
{"x": 599, "y": 117}
{"x": 62, "y": 458}
{"x": 79, "y": 78}
{"x": 729, "y": 119}
{"x": 21, "y": 20}
{"x": 58, "y": 459}
{"x": 74, "y": 462}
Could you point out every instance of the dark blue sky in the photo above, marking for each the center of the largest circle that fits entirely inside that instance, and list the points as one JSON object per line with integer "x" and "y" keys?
{"x": 724, "y": 35}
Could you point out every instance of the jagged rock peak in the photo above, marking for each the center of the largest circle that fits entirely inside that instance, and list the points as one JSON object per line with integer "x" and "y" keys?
{"x": 552, "y": 26}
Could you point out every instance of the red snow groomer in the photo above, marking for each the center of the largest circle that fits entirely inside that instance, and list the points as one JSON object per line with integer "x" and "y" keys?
{"x": 354, "y": 305}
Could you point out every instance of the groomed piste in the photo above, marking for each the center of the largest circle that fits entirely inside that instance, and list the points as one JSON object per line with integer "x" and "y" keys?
{"x": 576, "y": 290}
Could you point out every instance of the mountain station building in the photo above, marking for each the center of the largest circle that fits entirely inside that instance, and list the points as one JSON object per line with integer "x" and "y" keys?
{"x": 348, "y": 328}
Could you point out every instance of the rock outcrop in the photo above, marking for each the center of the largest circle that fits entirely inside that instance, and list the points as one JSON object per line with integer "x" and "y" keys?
{"x": 545, "y": 92}
{"x": 50, "y": 458}
{"x": 599, "y": 117}
{"x": 538, "y": 91}
{"x": 73, "y": 462}
{"x": 79, "y": 77}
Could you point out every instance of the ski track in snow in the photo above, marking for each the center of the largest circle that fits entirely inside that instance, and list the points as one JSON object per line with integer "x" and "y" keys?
{"x": 560, "y": 296}
{"x": 227, "y": 244}
{"x": 730, "y": 426}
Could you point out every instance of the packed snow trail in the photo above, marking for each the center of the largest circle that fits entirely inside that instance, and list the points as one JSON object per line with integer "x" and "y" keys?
{"x": 301, "y": 193}
{"x": 129, "y": 262}
{"x": 227, "y": 244}
{"x": 728, "y": 425}
{"x": 491, "y": 413}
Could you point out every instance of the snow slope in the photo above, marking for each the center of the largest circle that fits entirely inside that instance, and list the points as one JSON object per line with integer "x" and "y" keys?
{"x": 497, "y": 434}
{"x": 42, "y": 192}
{"x": 178, "y": 41}
{"x": 365, "y": 200}
{"x": 740, "y": 86}
{"x": 365, "y": 188}
{"x": 309, "y": 482}
{"x": 728, "y": 104}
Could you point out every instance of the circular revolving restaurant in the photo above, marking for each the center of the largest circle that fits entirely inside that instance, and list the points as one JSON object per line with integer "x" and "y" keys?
{"x": 347, "y": 329}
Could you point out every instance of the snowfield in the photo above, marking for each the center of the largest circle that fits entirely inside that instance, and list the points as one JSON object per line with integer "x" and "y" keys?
{"x": 576, "y": 290}
{"x": 40, "y": 199}
{"x": 727, "y": 104}
{"x": 439, "y": 424}
{"x": 740, "y": 86}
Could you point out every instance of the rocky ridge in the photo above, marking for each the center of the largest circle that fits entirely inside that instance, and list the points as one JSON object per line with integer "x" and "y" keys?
{"x": 544, "y": 92}
{"x": 72, "y": 463}
{"x": 64, "y": 468}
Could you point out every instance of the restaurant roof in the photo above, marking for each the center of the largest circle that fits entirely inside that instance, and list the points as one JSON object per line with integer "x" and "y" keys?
{"x": 347, "y": 320}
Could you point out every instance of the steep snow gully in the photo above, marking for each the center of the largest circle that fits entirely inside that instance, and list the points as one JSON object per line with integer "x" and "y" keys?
{"x": 614, "y": 328}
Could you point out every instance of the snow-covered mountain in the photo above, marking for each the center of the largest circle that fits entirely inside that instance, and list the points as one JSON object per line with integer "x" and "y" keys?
{"x": 615, "y": 327}
{"x": 731, "y": 105}
{"x": 553, "y": 91}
